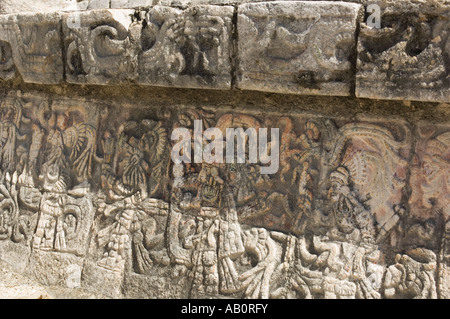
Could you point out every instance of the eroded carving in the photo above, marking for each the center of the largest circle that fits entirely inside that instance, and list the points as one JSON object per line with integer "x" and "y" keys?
{"x": 187, "y": 48}
{"x": 406, "y": 58}
{"x": 102, "y": 49}
{"x": 31, "y": 45}
{"x": 277, "y": 38}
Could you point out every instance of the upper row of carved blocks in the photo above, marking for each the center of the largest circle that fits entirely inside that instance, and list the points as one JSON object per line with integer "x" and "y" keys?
{"x": 293, "y": 47}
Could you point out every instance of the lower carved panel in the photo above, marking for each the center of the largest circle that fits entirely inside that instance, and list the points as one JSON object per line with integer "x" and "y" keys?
{"x": 93, "y": 195}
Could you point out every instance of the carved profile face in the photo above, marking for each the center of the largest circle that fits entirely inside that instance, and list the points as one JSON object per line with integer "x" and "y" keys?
{"x": 339, "y": 182}
{"x": 62, "y": 122}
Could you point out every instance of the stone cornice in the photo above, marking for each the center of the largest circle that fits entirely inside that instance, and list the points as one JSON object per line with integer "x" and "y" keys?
{"x": 292, "y": 47}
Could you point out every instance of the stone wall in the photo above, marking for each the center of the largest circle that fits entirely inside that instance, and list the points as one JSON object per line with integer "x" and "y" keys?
{"x": 90, "y": 196}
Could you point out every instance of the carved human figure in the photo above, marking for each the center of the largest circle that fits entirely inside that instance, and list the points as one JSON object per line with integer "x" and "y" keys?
{"x": 70, "y": 147}
{"x": 49, "y": 233}
{"x": 205, "y": 272}
{"x": 9, "y": 135}
{"x": 305, "y": 194}
{"x": 352, "y": 218}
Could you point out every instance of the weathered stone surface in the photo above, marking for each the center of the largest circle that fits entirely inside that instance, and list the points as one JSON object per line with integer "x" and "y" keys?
{"x": 430, "y": 198}
{"x": 37, "y": 6}
{"x": 31, "y": 45}
{"x": 408, "y": 57}
{"x": 185, "y": 3}
{"x": 15, "y": 254}
{"x": 187, "y": 48}
{"x": 171, "y": 285}
{"x": 18, "y": 286}
{"x": 104, "y": 282}
{"x": 100, "y": 46}
{"x": 131, "y": 3}
{"x": 296, "y": 47}
{"x": 98, "y": 4}
{"x": 55, "y": 269}
{"x": 41, "y": 6}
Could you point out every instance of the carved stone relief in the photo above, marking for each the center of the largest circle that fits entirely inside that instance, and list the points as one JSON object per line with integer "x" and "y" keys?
{"x": 296, "y": 47}
{"x": 47, "y": 150}
{"x": 407, "y": 58}
{"x": 31, "y": 43}
{"x": 186, "y": 48}
{"x": 101, "y": 48}
{"x": 430, "y": 198}
{"x": 94, "y": 188}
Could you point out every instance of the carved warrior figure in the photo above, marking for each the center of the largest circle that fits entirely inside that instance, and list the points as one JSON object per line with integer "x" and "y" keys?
{"x": 65, "y": 174}
{"x": 300, "y": 148}
{"x": 133, "y": 169}
{"x": 204, "y": 234}
{"x": 432, "y": 176}
{"x": 70, "y": 147}
{"x": 216, "y": 241}
{"x": 430, "y": 180}
{"x": 350, "y": 214}
{"x": 134, "y": 229}
{"x": 10, "y": 135}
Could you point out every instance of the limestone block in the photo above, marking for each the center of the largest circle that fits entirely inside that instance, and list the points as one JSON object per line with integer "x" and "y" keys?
{"x": 98, "y": 4}
{"x": 186, "y": 3}
{"x": 131, "y": 3}
{"x": 15, "y": 254}
{"x": 187, "y": 48}
{"x": 64, "y": 224}
{"x": 296, "y": 47}
{"x": 101, "y": 281}
{"x": 37, "y": 6}
{"x": 31, "y": 45}
{"x": 138, "y": 286}
{"x": 100, "y": 46}
{"x": 119, "y": 4}
{"x": 55, "y": 269}
{"x": 407, "y": 58}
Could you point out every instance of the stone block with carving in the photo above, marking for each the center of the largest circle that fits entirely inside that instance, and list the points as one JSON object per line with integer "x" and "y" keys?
{"x": 31, "y": 46}
{"x": 297, "y": 47}
{"x": 187, "y": 48}
{"x": 407, "y": 58}
{"x": 101, "y": 46}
